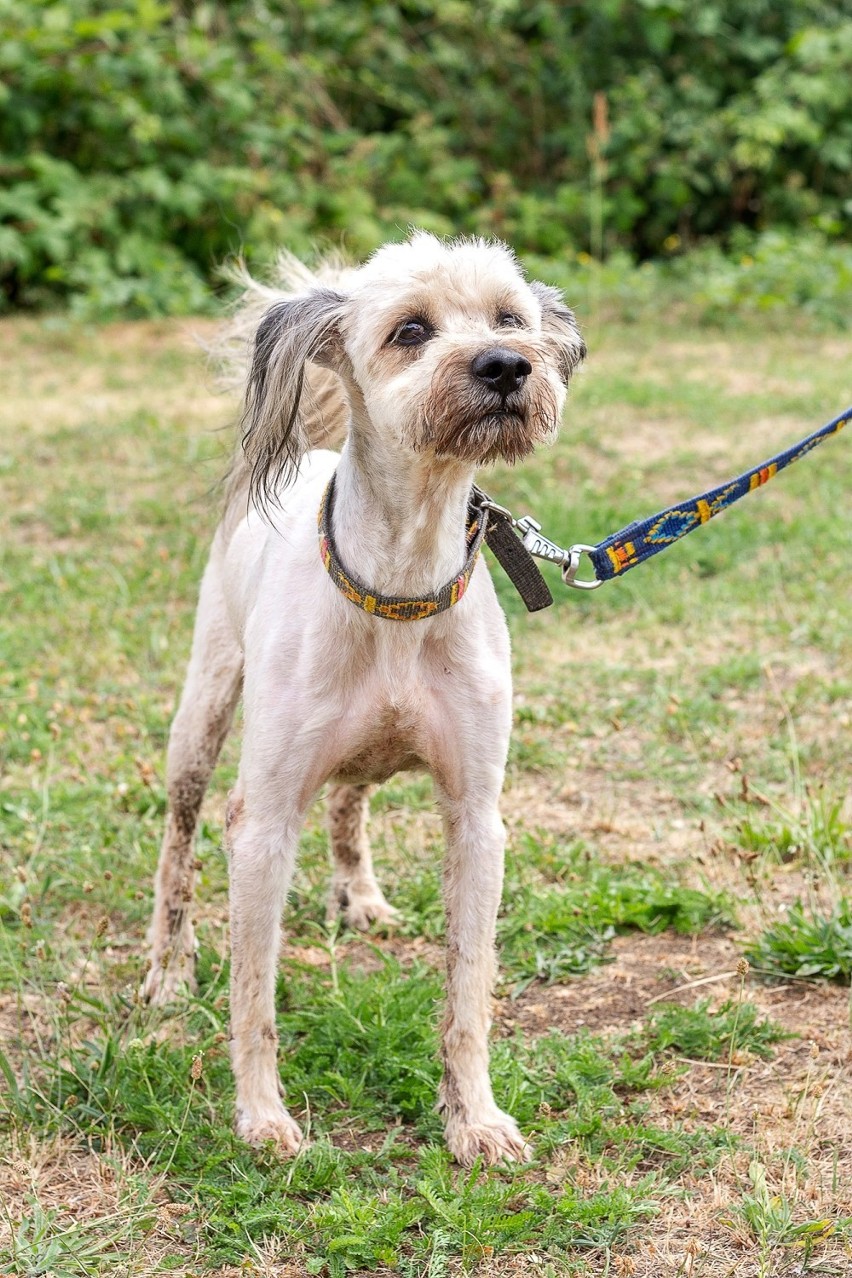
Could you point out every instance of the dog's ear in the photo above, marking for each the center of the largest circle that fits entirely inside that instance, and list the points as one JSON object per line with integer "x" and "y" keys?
{"x": 560, "y": 327}
{"x": 291, "y": 332}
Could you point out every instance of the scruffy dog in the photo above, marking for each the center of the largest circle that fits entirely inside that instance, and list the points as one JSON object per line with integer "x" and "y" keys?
{"x": 433, "y": 358}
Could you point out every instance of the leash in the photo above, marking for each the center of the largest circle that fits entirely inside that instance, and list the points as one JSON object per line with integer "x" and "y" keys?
{"x": 633, "y": 544}
{"x": 498, "y": 529}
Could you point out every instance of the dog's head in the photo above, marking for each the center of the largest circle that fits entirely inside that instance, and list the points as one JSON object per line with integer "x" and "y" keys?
{"x": 444, "y": 348}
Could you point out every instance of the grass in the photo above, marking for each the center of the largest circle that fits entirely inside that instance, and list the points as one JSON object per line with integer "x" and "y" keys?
{"x": 675, "y": 797}
{"x": 361, "y": 1055}
{"x": 705, "y": 1034}
{"x": 771, "y": 1221}
{"x": 807, "y": 943}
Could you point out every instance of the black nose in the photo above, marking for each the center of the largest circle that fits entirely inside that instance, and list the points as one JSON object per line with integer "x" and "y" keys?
{"x": 502, "y": 369}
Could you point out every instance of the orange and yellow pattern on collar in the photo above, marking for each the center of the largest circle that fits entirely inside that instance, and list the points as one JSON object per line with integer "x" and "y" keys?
{"x": 394, "y": 607}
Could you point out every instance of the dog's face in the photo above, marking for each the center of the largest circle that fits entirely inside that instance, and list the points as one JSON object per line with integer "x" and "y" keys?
{"x": 445, "y": 349}
{"x": 454, "y": 353}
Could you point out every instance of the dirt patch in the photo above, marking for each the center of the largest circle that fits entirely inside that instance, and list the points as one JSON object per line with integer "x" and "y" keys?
{"x": 96, "y": 1198}
{"x": 647, "y": 440}
{"x": 801, "y": 1098}
{"x": 627, "y": 820}
{"x": 650, "y": 440}
{"x": 615, "y": 997}
{"x": 104, "y": 375}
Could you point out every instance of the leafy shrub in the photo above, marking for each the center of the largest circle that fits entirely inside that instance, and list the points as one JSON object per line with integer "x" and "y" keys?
{"x": 142, "y": 144}
{"x": 772, "y": 273}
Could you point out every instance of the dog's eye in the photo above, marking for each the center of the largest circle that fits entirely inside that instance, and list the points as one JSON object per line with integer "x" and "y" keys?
{"x": 508, "y": 319}
{"x": 414, "y": 332}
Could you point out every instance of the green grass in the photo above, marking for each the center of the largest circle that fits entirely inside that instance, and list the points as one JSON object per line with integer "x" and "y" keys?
{"x": 703, "y": 1034}
{"x": 807, "y": 943}
{"x": 813, "y": 938}
{"x": 554, "y": 929}
{"x": 677, "y": 779}
{"x": 361, "y": 1057}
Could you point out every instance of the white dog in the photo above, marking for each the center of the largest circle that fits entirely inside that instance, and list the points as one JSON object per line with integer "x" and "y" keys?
{"x": 436, "y": 357}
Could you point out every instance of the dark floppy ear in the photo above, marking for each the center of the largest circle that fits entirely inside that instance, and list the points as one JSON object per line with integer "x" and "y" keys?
{"x": 560, "y": 326}
{"x": 291, "y": 332}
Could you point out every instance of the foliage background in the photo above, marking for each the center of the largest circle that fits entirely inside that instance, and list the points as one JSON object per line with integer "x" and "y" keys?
{"x": 141, "y": 145}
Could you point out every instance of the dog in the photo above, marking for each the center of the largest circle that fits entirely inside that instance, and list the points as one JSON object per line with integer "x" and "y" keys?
{"x": 373, "y": 646}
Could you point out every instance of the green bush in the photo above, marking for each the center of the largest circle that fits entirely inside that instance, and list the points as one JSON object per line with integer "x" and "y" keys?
{"x": 771, "y": 273}
{"x": 142, "y": 144}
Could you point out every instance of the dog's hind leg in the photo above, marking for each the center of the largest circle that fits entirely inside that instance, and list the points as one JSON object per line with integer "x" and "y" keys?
{"x": 354, "y": 890}
{"x": 207, "y": 704}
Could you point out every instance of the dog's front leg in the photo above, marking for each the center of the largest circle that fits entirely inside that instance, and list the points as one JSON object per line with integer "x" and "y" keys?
{"x": 473, "y": 880}
{"x": 261, "y": 867}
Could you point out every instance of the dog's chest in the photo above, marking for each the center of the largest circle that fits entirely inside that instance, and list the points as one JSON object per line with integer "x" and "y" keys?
{"x": 390, "y": 741}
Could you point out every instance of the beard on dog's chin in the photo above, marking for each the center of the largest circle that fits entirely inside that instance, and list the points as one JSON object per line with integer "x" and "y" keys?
{"x": 464, "y": 419}
{"x": 474, "y": 429}
{"x": 501, "y": 434}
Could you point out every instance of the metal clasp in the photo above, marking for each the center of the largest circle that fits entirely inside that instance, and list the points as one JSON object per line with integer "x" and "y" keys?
{"x": 538, "y": 545}
{"x": 569, "y": 568}
{"x": 542, "y": 547}
{"x": 485, "y": 503}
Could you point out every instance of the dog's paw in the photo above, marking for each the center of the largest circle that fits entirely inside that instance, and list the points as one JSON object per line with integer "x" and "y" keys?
{"x": 275, "y": 1127}
{"x": 165, "y": 983}
{"x": 361, "y": 906}
{"x": 363, "y": 911}
{"x": 494, "y": 1140}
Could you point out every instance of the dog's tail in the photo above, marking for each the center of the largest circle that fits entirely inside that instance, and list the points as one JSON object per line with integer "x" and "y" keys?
{"x": 323, "y": 407}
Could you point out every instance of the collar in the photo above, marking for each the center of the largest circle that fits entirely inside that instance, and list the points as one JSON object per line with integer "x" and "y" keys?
{"x": 398, "y": 607}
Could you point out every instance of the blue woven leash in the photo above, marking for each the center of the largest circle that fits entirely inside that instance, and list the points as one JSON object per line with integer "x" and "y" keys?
{"x": 623, "y": 550}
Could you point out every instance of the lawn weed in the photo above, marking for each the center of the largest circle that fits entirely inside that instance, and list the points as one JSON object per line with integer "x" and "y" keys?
{"x": 806, "y": 943}
{"x": 702, "y": 1033}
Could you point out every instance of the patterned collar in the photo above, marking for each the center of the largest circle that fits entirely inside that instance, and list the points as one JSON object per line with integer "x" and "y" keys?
{"x": 394, "y": 607}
